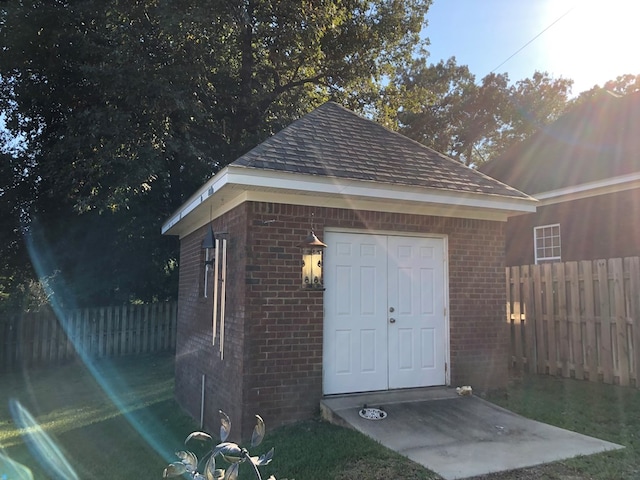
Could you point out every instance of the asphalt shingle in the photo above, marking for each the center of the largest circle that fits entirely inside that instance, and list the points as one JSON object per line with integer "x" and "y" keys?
{"x": 332, "y": 141}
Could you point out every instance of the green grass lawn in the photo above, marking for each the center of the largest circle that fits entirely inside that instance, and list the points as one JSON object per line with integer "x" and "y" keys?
{"x": 133, "y": 431}
{"x": 119, "y": 420}
{"x": 122, "y": 435}
{"x": 607, "y": 412}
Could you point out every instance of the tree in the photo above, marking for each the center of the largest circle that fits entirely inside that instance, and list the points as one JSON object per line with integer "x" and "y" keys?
{"x": 434, "y": 94}
{"x": 536, "y": 101}
{"x": 473, "y": 121}
{"x": 622, "y": 85}
{"x": 125, "y": 107}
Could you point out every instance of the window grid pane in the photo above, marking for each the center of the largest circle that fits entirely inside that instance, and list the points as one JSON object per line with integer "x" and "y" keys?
{"x": 547, "y": 243}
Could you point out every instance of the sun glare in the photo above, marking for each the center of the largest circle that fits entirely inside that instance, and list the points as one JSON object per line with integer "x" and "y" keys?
{"x": 595, "y": 42}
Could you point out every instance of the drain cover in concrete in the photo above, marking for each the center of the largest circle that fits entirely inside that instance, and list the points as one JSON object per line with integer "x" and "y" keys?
{"x": 369, "y": 413}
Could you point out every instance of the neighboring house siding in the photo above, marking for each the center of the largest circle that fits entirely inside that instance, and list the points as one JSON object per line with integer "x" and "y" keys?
{"x": 273, "y": 350}
{"x": 604, "y": 226}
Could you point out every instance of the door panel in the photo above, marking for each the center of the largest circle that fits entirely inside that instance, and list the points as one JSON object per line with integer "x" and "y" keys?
{"x": 355, "y": 345}
{"x": 416, "y": 294}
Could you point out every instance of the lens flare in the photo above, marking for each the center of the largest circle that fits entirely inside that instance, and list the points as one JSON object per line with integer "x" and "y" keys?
{"x": 10, "y": 469}
{"x": 41, "y": 445}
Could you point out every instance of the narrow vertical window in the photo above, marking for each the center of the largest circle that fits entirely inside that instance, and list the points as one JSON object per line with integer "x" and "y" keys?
{"x": 546, "y": 243}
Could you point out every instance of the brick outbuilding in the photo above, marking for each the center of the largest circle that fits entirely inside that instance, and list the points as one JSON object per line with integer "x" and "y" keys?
{"x": 414, "y": 285}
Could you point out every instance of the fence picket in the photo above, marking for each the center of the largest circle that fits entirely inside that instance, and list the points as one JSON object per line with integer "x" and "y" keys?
{"x": 589, "y": 316}
{"x": 575, "y": 323}
{"x": 527, "y": 309}
{"x": 108, "y": 343}
{"x": 123, "y": 329}
{"x": 550, "y": 320}
{"x": 139, "y": 330}
{"x": 562, "y": 313}
{"x": 540, "y": 340}
{"x": 145, "y": 330}
{"x": 172, "y": 310}
{"x": 101, "y": 334}
{"x": 53, "y": 342}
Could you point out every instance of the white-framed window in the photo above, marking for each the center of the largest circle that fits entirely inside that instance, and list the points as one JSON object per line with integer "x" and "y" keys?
{"x": 546, "y": 243}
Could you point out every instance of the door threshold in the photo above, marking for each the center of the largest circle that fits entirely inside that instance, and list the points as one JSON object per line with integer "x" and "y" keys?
{"x": 331, "y": 406}
{"x": 388, "y": 397}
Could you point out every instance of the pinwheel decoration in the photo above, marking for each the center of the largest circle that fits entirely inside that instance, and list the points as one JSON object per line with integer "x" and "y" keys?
{"x": 231, "y": 453}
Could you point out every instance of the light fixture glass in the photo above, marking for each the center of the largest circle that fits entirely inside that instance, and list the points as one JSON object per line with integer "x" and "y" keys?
{"x": 209, "y": 243}
{"x": 312, "y": 260}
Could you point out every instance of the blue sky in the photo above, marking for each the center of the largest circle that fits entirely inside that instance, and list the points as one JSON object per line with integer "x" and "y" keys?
{"x": 591, "y": 41}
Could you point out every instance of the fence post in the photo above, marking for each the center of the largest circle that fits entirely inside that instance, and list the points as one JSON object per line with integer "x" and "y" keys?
{"x": 541, "y": 341}
{"x": 101, "y": 333}
{"x": 606, "y": 351}
{"x": 622, "y": 350}
{"x": 551, "y": 319}
{"x": 109, "y": 332}
{"x": 589, "y": 315}
{"x": 529, "y": 319}
{"x": 563, "y": 319}
{"x": 516, "y": 318}
{"x": 158, "y": 326}
{"x": 575, "y": 323}
{"x": 173, "y": 325}
{"x": 634, "y": 313}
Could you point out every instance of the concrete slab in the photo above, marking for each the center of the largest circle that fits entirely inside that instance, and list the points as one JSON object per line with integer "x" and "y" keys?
{"x": 459, "y": 437}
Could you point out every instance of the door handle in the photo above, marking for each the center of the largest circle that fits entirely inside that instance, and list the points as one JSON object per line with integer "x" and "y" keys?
{"x": 392, "y": 320}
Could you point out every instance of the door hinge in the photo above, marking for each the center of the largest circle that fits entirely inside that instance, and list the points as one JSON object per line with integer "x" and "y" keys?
{"x": 445, "y": 311}
{"x": 446, "y": 367}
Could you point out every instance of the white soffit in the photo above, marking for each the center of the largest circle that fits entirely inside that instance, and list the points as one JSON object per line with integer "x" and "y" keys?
{"x": 234, "y": 185}
{"x": 590, "y": 189}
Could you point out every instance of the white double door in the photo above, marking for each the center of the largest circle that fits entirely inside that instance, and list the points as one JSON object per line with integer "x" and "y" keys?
{"x": 385, "y": 319}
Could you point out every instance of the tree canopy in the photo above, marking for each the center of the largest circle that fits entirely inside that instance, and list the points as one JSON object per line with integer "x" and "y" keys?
{"x": 126, "y": 107}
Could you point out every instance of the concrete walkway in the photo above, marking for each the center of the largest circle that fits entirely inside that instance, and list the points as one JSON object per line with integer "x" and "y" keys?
{"x": 458, "y": 437}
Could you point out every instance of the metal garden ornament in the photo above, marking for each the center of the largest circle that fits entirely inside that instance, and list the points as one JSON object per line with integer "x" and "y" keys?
{"x": 231, "y": 453}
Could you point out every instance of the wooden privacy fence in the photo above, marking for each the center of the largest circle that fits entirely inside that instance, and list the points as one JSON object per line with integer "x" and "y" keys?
{"x": 39, "y": 338}
{"x": 578, "y": 319}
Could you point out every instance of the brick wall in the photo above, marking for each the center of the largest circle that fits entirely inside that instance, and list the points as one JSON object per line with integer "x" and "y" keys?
{"x": 195, "y": 354}
{"x": 274, "y": 349}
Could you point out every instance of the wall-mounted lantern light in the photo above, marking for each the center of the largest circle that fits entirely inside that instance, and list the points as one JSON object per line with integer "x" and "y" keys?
{"x": 209, "y": 247}
{"x": 312, "y": 258}
{"x": 209, "y": 243}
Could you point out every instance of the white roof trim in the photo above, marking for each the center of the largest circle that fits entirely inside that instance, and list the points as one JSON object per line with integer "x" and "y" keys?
{"x": 249, "y": 184}
{"x": 589, "y": 189}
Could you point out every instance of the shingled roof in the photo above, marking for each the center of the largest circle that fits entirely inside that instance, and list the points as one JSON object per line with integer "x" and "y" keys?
{"x": 596, "y": 140}
{"x": 332, "y": 141}
{"x": 333, "y": 157}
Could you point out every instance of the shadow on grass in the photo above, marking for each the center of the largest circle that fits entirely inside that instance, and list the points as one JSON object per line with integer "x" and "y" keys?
{"x": 115, "y": 448}
{"x": 114, "y": 420}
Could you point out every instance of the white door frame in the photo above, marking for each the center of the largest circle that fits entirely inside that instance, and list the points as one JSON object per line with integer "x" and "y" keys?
{"x": 445, "y": 245}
